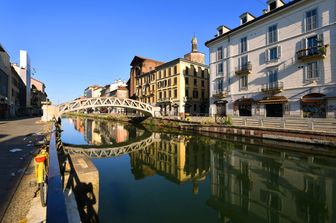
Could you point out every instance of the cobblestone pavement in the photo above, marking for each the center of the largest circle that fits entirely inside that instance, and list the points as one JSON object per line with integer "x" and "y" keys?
{"x": 17, "y": 144}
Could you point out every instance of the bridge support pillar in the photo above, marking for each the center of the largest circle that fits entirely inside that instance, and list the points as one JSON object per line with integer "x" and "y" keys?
{"x": 49, "y": 112}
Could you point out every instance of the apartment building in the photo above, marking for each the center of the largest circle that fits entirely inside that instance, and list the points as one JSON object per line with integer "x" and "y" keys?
{"x": 179, "y": 86}
{"x": 279, "y": 64}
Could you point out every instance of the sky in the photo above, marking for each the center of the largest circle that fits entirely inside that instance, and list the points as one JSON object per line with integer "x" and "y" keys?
{"x": 76, "y": 43}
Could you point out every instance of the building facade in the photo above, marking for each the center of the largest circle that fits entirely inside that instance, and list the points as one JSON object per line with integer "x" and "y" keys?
{"x": 5, "y": 79}
{"x": 38, "y": 95}
{"x": 279, "y": 64}
{"x": 178, "y": 87}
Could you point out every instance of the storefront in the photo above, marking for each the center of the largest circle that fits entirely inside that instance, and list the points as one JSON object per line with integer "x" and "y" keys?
{"x": 221, "y": 107}
{"x": 314, "y": 105}
{"x": 274, "y": 105}
{"x": 244, "y": 106}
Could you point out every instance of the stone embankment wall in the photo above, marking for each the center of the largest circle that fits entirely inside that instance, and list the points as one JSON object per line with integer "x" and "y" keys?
{"x": 301, "y": 136}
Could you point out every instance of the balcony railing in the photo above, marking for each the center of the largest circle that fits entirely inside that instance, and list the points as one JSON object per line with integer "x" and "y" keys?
{"x": 272, "y": 87}
{"x": 220, "y": 93}
{"x": 244, "y": 69}
{"x": 312, "y": 53}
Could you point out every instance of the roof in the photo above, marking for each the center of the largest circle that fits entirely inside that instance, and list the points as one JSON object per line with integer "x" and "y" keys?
{"x": 138, "y": 59}
{"x": 254, "y": 21}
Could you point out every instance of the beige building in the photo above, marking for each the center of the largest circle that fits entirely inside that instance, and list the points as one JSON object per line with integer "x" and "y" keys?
{"x": 279, "y": 64}
{"x": 178, "y": 87}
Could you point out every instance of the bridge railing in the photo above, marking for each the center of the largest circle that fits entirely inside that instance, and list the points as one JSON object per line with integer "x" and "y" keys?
{"x": 56, "y": 207}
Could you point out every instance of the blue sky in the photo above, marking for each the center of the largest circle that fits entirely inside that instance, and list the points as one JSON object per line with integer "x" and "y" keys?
{"x": 74, "y": 44}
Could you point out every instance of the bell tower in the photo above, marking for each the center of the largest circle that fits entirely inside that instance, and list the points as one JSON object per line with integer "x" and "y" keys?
{"x": 194, "y": 55}
{"x": 194, "y": 44}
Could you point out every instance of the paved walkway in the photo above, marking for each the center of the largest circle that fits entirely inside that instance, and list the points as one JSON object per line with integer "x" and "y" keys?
{"x": 17, "y": 140}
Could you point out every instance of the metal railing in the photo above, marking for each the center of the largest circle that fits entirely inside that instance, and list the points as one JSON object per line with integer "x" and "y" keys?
{"x": 272, "y": 86}
{"x": 56, "y": 207}
{"x": 291, "y": 123}
{"x": 317, "y": 51}
{"x": 244, "y": 69}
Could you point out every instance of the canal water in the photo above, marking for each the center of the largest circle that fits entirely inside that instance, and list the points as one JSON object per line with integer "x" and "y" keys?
{"x": 167, "y": 177}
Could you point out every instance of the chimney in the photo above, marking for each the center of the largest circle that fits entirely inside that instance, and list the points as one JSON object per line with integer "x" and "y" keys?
{"x": 222, "y": 30}
{"x": 246, "y": 17}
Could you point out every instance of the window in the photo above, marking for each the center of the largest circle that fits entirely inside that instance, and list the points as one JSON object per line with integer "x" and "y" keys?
{"x": 175, "y": 80}
{"x": 243, "y": 45}
{"x": 169, "y": 71}
{"x": 311, "y": 20}
{"x": 195, "y": 81}
{"x": 273, "y": 53}
{"x": 160, "y": 74}
{"x": 203, "y": 94}
{"x": 219, "y": 68}
{"x": 175, "y": 93}
{"x": 202, "y": 75}
{"x": 187, "y": 92}
{"x": 243, "y": 62}
{"x": 195, "y": 72}
{"x": 169, "y": 82}
{"x": 243, "y": 82}
{"x": 244, "y": 20}
{"x": 187, "y": 71}
{"x": 169, "y": 94}
{"x": 220, "y": 53}
{"x": 160, "y": 95}
{"x": 202, "y": 83}
{"x": 273, "y": 76}
{"x": 272, "y": 6}
{"x": 195, "y": 94}
{"x": 165, "y": 94}
{"x": 175, "y": 69}
{"x": 186, "y": 81}
{"x": 272, "y": 34}
{"x": 165, "y": 73}
{"x": 195, "y": 108}
{"x": 218, "y": 85}
{"x": 312, "y": 70}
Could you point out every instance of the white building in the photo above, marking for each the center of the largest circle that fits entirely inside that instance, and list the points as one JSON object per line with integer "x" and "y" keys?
{"x": 108, "y": 89}
{"x": 279, "y": 64}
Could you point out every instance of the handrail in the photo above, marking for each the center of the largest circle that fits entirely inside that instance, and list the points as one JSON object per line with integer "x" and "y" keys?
{"x": 56, "y": 207}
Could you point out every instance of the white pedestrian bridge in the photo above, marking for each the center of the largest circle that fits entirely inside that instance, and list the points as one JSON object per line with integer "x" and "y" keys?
{"x": 82, "y": 105}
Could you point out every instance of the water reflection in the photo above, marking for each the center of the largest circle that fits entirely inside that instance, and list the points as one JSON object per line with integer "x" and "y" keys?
{"x": 99, "y": 132}
{"x": 234, "y": 181}
{"x": 255, "y": 185}
{"x": 173, "y": 158}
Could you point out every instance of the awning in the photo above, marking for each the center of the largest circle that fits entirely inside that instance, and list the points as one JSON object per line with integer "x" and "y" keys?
{"x": 221, "y": 102}
{"x": 244, "y": 101}
{"x": 314, "y": 97}
{"x": 274, "y": 100}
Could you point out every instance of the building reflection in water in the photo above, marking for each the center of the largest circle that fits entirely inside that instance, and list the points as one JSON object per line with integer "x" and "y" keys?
{"x": 258, "y": 185}
{"x": 178, "y": 158}
{"x": 97, "y": 132}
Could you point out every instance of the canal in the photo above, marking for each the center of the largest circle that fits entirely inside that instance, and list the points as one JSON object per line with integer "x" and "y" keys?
{"x": 191, "y": 178}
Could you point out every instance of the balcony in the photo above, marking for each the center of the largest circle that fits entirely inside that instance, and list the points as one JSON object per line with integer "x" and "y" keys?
{"x": 244, "y": 69}
{"x": 273, "y": 87}
{"x": 317, "y": 52}
{"x": 220, "y": 94}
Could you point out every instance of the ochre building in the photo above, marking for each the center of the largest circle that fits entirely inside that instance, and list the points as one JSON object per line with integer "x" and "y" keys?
{"x": 179, "y": 86}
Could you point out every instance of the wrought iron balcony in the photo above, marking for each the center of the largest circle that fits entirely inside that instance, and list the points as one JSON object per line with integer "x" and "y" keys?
{"x": 244, "y": 69}
{"x": 317, "y": 52}
{"x": 220, "y": 93}
{"x": 273, "y": 87}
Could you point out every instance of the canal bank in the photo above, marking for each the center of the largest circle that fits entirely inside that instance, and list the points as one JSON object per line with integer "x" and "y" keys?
{"x": 289, "y": 135}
